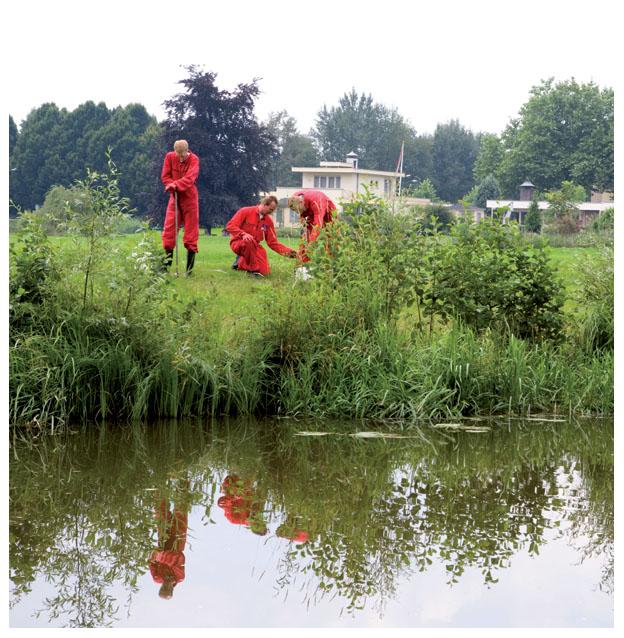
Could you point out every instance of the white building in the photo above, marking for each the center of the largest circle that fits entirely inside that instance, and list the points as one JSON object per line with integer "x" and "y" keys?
{"x": 340, "y": 181}
{"x": 519, "y": 207}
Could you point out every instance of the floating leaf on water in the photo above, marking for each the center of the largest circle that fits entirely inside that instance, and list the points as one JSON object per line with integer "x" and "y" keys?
{"x": 477, "y": 429}
{"x": 449, "y": 426}
{"x": 382, "y": 435}
{"x": 312, "y": 433}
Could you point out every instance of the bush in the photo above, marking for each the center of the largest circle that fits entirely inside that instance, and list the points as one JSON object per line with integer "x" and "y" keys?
{"x": 533, "y": 219}
{"x": 604, "y": 222}
{"x": 489, "y": 276}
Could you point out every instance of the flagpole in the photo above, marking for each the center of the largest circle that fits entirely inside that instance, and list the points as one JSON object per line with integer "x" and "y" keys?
{"x": 401, "y": 166}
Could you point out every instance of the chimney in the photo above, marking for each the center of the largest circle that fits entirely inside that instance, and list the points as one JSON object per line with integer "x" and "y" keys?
{"x": 526, "y": 191}
{"x": 352, "y": 159}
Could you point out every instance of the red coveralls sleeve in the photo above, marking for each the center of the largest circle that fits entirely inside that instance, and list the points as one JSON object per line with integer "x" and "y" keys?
{"x": 272, "y": 242}
{"x": 166, "y": 175}
{"x": 234, "y": 225}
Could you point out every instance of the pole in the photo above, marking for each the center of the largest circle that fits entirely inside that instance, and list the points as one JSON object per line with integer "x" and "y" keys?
{"x": 175, "y": 196}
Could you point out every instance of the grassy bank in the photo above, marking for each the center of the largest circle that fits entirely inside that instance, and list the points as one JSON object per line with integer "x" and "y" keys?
{"x": 379, "y": 332}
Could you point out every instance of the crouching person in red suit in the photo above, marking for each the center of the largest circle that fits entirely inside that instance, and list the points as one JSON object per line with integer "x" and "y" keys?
{"x": 249, "y": 226}
{"x": 167, "y": 561}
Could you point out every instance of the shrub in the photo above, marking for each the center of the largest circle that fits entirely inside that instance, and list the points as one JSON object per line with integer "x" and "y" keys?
{"x": 491, "y": 277}
{"x": 533, "y": 219}
{"x": 604, "y": 222}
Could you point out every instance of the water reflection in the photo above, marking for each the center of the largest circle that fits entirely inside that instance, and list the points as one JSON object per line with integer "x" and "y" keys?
{"x": 341, "y": 519}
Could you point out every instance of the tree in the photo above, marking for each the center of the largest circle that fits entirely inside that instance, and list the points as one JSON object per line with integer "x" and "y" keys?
{"x": 564, "y": 132}
{"x": 371, "y": 130}
{"x": 13, "y": 133}
{"x": 533, "y": 219}
{"x": 562, "y": 211}
{"x": 424, "y": 189}
{"x": 488, "y": 188}
{"x": 489, "y": 157}
{"x": 295, "y": 149}
{"x": 454, "y": 153}
{"x": 236, "y": 152}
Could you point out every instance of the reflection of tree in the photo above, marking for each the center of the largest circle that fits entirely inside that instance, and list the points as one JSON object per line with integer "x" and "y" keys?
{"x": 350, "y": 518}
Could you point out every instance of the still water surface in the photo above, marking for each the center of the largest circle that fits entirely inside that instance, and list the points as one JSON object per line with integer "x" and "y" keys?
{"x": 244, "y": 523}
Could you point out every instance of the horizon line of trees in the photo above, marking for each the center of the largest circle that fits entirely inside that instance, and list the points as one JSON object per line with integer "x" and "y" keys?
{"x": 564, "y": 132}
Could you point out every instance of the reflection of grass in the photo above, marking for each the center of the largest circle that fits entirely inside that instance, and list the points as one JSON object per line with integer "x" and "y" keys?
{"x": 374, "y": 508}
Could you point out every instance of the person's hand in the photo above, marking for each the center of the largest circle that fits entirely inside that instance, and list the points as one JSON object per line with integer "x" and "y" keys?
{"x": 292, "y": 254}
{"x": 170, "y": 187}
{"x": 248, "y": 237}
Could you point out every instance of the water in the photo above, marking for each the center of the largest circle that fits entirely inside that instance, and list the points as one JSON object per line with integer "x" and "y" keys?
{"x": 243, "y": 523}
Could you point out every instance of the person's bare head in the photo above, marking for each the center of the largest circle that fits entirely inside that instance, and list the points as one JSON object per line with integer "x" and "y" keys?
{"x": 181, "y": 149}
{"x": 268, "y": 205}
{"x": 296, "y": 203}
{"x": 166, "y": 589}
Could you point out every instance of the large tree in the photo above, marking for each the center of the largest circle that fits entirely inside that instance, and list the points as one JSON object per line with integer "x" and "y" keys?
{"x": 372, "y": 130}
{"x": 294, "y": 149}
{"x": 235, "y": 151}
{"x": 564, "y": 132}
{"x": 454, "y": 151}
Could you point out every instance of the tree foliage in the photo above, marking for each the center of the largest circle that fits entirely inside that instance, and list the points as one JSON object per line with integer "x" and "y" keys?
{"x": 294, "y": 148}
{"x": 488, "y": 188}
{"x": 564, "y": 132}
{"x": 454, "y": 151}
{"x": 236, "y": 152}
{"x": 359, "y": 124}
{"x": 56, "y": 146}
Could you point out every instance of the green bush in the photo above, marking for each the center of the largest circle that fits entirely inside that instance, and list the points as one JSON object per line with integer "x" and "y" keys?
{"x": 604, "y": 222}
{"x": 489, "y": 276}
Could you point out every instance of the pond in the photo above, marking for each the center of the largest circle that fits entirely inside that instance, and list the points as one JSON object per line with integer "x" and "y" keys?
{"x": 280, "y": 522}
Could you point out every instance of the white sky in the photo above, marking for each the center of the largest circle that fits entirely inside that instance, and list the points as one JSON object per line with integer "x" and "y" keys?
{"x": 472, "y": 60}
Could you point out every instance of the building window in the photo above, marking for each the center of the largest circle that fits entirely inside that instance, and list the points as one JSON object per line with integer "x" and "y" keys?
{"x": 294, "y": 218}
{"x": 386, "y": 186}
{"x": 325, "y": 181}
{"x": 374, "y": 183}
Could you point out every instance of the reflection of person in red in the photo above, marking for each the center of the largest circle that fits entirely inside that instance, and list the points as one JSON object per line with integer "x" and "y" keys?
{"x": 289, "y": 529}
{"x": 167, "y": 561}
{"x": 249, "y": 226}
{"x": 240, "y": 504}
{"x": 316, "y": 211}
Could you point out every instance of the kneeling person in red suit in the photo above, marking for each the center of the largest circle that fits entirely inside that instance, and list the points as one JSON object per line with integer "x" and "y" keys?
{"x": 249, "y": 226}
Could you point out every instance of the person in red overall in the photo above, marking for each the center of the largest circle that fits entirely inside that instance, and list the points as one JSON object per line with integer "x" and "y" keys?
{"x": 316, "y": 210}
{"x": 167, "y": 561}
{"x": 288, "y": 529}
{"x": 240, "y": 505}
{"x": 179, "y": 173}
{"x": 249, "y": 226}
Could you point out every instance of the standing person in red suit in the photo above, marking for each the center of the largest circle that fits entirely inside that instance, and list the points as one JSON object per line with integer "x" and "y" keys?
{"x": 167, "y": 561}
{"x": 249, "y": 226}
{"x": 316, "y": 211}
{"x": 179, "y": 173}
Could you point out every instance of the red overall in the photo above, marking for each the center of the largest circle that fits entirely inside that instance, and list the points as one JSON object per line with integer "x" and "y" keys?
{"x": 240, "y": 505}
{"x": 317, "y": 212}
{"x": 167, "y": 562}
{"x": 253, "y": 257}
{"x": 182, "y": 176}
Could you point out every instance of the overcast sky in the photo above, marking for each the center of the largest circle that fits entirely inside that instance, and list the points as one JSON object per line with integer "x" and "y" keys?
{"x": 475, "y": 61}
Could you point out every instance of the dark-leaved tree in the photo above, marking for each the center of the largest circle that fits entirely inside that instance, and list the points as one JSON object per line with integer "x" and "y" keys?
{"x": 235, "y": 151}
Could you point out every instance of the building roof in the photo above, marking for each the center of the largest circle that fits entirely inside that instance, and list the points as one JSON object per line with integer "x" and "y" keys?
{"x": 343, "y": 169}
{"x": 524, "y": 204}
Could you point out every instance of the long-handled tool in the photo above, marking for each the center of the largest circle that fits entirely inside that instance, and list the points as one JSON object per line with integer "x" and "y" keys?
{"x": 175, "y": 196}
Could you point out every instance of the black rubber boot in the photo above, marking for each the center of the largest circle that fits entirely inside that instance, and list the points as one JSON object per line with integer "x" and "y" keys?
{"x": 190, "y": 262}
{"x": 168, "y": 260}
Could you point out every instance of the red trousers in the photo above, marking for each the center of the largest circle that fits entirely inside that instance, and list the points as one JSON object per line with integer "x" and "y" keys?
{"x": 253, "y": 257}
{"x": 188, "y": 216}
